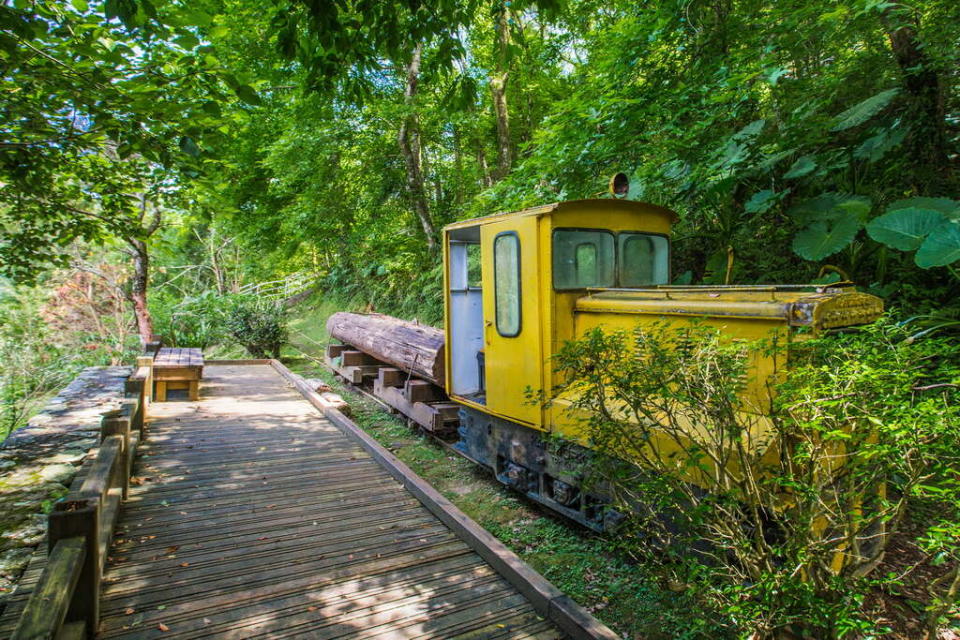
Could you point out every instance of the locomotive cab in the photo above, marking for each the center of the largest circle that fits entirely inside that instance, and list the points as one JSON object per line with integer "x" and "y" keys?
{"x": 512, "y": 283}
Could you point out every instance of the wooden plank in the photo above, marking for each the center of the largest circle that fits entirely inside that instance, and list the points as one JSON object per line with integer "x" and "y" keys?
{"x": 355, "y": 359}
{"x": 50, "y": 601}
{"x": 435, "y": 416}
{"x": 391, "y": 377}
{"x": 178, "y": 372}
{"x": 421, "y": 391}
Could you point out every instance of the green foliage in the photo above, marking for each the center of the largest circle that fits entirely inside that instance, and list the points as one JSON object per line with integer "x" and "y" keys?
{"x": 931, "y": 226}
{"x": 860, "y": 113}
{"x": 37, "y": 360}
{"x": 259, "y": 324}
{"x": 778, "y": 520}
{"x": 200, "y": 321}
{"x": 102, "y": 103}
{"x": 825, "y": 237}
{"x": 904, "y": 229}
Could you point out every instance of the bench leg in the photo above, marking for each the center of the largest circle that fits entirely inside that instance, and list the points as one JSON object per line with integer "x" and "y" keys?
{"x": 161, "y": 391}
{"x": 194, "y": 390}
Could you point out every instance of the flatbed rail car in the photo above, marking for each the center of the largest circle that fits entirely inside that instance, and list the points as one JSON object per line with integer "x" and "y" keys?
{"x": 518, "y": 285}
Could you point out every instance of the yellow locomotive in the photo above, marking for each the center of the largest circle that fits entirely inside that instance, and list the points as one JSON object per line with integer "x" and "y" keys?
{"x": 518, "y": 285}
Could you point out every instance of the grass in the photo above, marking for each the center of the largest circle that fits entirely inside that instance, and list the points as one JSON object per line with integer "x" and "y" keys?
{"x": 629, "y": 597}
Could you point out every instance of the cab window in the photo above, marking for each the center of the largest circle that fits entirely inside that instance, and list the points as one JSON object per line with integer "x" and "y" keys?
{"x": 506, "y": 277}
{"x": 644, "y": 259}
{"x": 583, "y": 258}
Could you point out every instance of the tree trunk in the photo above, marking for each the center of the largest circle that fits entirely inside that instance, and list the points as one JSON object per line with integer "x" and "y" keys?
{"x": 457, "y": 165}
{"x": 485, "y": 178}
{"x": 138, "y": 289}
{"x": 409, "y": 140}
{"x": 415, "y": 348}
{"x": 925, "y": 90}
{"x": 498, "y": 87}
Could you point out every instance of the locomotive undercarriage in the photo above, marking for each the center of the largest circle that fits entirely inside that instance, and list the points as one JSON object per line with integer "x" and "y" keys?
{"x": 550, "y": 473}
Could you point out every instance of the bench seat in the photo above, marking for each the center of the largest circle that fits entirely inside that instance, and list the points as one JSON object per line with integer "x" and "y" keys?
{"x": 177, "y": 368}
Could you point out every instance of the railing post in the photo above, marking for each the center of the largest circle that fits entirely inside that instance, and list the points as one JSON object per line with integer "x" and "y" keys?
{"x": 81, "y": 517}
{"x": 147, "y": 361}
{"x": 133, "y": 389}
{"x": 117, "y": 423}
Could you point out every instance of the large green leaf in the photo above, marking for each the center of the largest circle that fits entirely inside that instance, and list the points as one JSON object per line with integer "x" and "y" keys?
{"x": 830, "y": 206}
{"x": 874, "y": 148}
{"x": 188, "y": 146}
{"x": 750, "y": 131}
{"x": 942, "y": 246}
{"x": 824, "y": 238}
{"x": 248, "y": 94}
{"x": 946, "y": 206}
{"x": 801, "y": 167}
{"x": 904, "y": 229}
{"x": 762, "y": 201}
{"x": 860, "y": 113}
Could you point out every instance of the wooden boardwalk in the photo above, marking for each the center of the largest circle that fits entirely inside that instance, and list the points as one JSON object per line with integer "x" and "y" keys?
{"x": 253, "y": 516}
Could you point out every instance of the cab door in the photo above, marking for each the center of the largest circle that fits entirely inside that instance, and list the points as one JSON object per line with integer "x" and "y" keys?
{"x": 511, "y": 310}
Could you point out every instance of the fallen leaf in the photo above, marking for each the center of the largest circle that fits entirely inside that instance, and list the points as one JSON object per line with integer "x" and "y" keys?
{"x": 173, "y": 549}
{"x": 184, "y": 564}
{"x": 311, "y": 608}
{"x": 128, "y": 611}
{"x": 163, "y": 627}
{"x": 161, "y": 607}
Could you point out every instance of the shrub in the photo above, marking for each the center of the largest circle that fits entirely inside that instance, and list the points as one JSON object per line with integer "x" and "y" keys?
{"x": 778, "y": 520}
{"x": 259, "y": 324}
{"x": 199, "y": 321}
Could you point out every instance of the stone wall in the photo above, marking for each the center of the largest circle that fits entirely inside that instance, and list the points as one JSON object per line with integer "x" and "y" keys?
{"x": 39, "y": 461}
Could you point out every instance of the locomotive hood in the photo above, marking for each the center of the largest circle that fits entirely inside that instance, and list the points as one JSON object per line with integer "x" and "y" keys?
{"x": 818, "y": 307}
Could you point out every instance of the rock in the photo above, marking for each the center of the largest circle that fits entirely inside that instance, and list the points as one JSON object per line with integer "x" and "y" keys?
{"x": 62, "y": 473}
{"x": 12, "y": 562}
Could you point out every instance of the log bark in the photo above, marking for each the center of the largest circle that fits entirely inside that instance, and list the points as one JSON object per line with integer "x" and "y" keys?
{"x": 414, "y": 348}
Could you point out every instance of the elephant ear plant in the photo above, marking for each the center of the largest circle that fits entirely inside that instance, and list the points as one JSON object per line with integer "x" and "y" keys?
{"x": 779, "y": 520}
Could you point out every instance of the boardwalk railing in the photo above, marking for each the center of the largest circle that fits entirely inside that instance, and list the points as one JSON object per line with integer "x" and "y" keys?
{"x": 287, "y": 287}
{"x": 65, "y": 603}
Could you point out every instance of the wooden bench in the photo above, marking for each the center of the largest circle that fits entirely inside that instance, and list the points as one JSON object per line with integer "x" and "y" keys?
{"x": 175, "y": 368}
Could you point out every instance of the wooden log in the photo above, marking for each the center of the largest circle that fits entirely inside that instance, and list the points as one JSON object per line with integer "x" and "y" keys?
{"x": 335, "y": 401}
{"x": 317, "y": 385}
{"x": 413, "y": 348}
